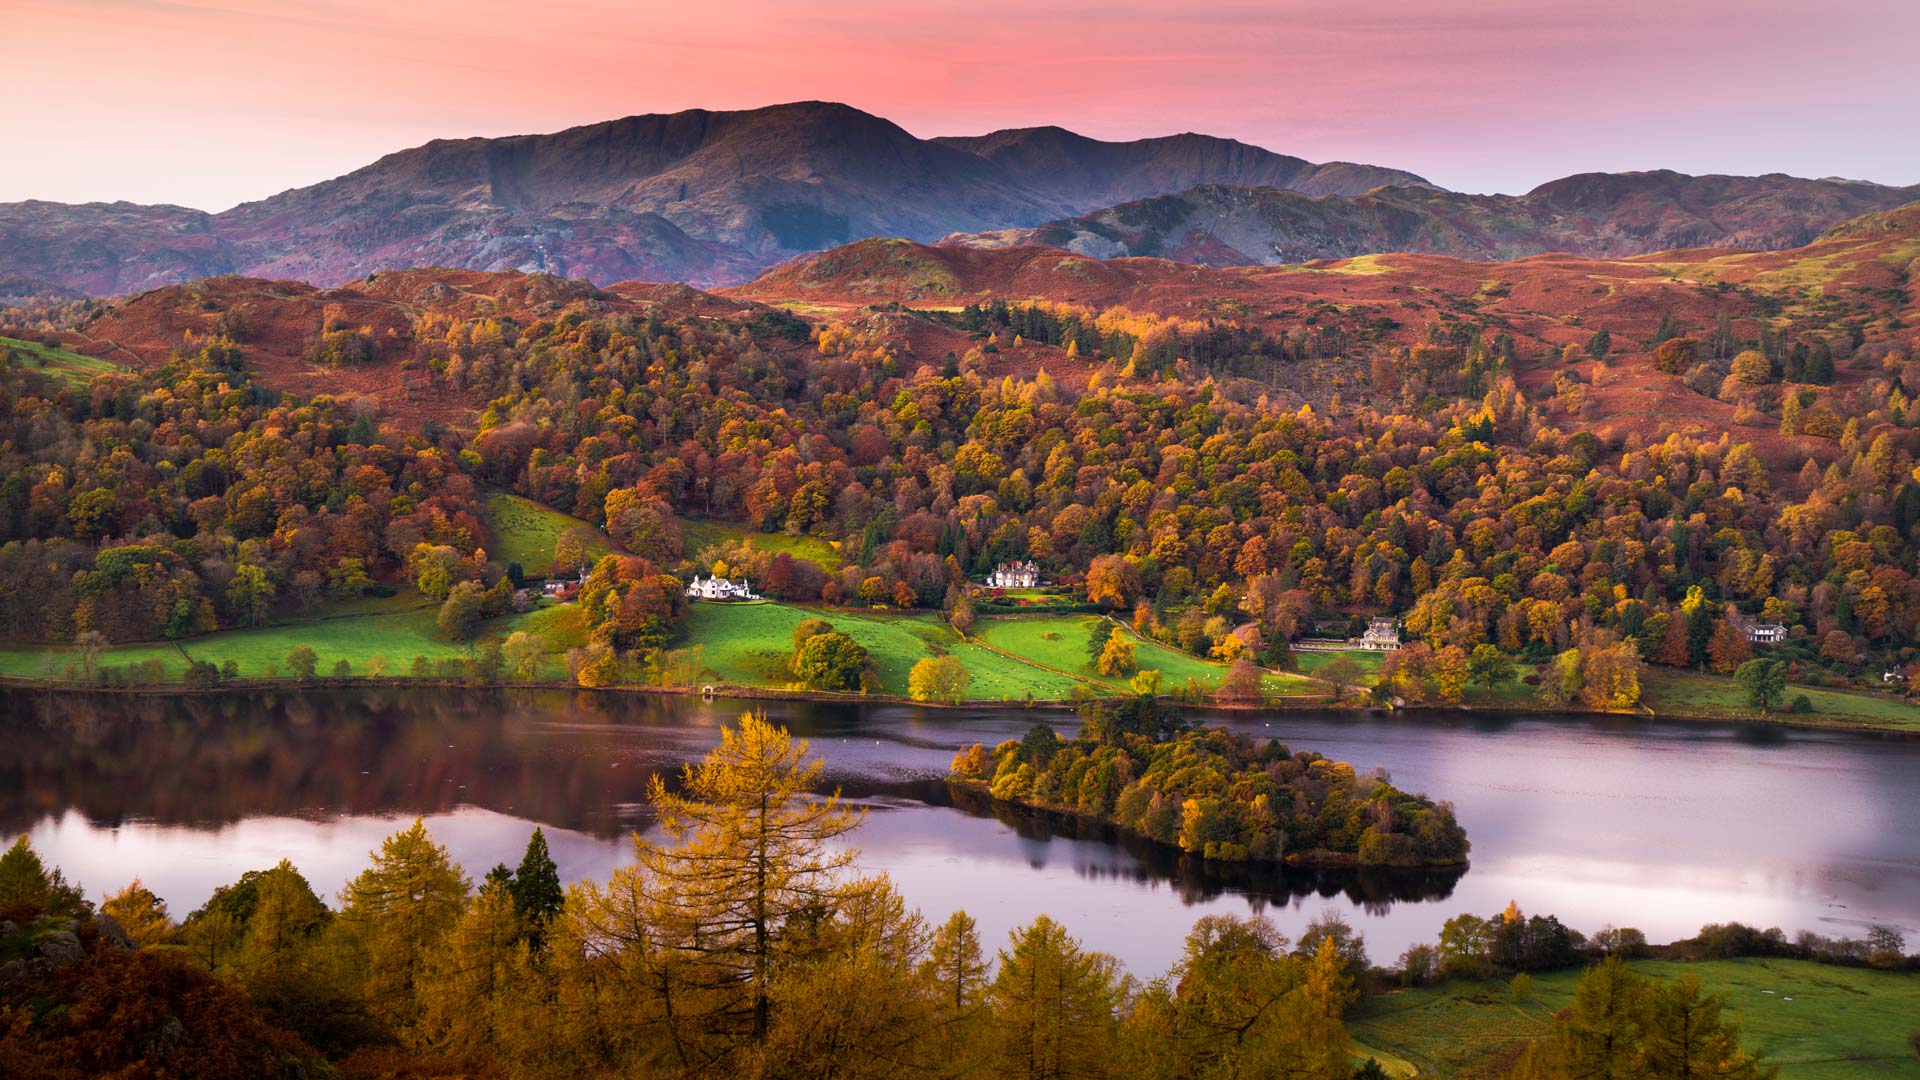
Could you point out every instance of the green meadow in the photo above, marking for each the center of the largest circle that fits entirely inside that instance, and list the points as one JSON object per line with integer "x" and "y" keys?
{"x": 748, "y": 645}
{"x": 1667, "y": 692}
{"x": 397, "y": 630}
{"x": 71, "y": 367}
{"x": 1816, "y": 1021}
{"x": 524, "y": 532}
{"x": 698, "y": 534}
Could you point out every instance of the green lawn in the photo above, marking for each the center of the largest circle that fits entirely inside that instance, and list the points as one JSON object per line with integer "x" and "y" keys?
{"x": 1060, "y": 641}
{"x": 697, "y": 535}
{"x": 71, "y": 367}
{"x": 748, "y": 644}
{"x": 1816, "y": 1021}
{"x": 1367, "y": 659}
{"x": 524, "y": 532}
{"x": 1666, "y": 691}
{"x": 399, "y": 632}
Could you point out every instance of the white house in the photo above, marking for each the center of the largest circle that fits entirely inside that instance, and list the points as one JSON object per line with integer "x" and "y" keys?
{"x": 1382, "y": 635}
{"x": 1769, "y": 633}
{"x": 1014, "y": 575}
{"x": 719, "y": 588}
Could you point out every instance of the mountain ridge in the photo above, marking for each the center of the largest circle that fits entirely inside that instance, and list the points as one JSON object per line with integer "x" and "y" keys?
{"x": 699, "y": 195}
{"x": 1598, "y": 215}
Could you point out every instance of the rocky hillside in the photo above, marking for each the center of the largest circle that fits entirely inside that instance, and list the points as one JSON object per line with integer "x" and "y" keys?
{"x": 1599, "y": 215}
{"x": 706, "y": 197}
{"x": 107, "y": 249}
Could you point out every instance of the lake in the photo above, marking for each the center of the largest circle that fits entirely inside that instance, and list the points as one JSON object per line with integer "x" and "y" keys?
{"x": 1659, "y": 825}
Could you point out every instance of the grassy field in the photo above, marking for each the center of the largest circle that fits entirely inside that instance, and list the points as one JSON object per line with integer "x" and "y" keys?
{"x": 1060, "y": 641}
{"x": 1816, "y": 1021}
{"x": 699, "y": 534}
{"x": 1670, "y": 692}
{"x": 524, "y": 532}
{"x": 1367, "y": 659}
{"x": 748, "y": 644}
{"x": 399, "y": 630}
{"x": 71, "y": 367}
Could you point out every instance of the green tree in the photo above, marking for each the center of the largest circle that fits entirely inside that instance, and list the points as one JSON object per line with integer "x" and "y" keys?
{"x": 535, "y": 888}
{"x": 302, "y": 661}
{"x": 521, "y": 652}
{"x": 462, "y": 610}
{"x": 26, "y": 881}
{"x": 830, "y": 661}
{"x": 1765, "y": 683}
{"x": 1489, "y": 666}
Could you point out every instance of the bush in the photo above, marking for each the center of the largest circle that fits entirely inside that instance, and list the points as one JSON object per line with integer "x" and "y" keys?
{"x": 1800, "y": 704}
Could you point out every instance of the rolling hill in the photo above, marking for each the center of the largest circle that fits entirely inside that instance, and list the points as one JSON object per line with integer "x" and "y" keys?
{"x": 1599, "y": 215}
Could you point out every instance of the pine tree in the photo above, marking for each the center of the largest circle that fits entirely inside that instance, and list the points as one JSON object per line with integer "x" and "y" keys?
{"x": 535, "y": 888}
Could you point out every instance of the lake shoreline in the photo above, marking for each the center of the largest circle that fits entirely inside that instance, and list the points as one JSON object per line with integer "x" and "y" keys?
{"x": 1813, "y": 722}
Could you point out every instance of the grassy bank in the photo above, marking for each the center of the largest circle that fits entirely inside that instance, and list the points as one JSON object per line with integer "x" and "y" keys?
{"x": 396, "y": 631}
{"x": 1818, "y": 1022}
{"x": 1666, "y": 692}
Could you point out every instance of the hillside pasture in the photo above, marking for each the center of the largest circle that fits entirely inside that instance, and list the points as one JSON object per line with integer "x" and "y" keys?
{"x": 1816, "y": 1021}
{"x": 525, "y": 531}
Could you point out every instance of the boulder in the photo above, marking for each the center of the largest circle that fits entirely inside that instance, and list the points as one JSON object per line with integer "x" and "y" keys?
{"x": 111, "y": 931}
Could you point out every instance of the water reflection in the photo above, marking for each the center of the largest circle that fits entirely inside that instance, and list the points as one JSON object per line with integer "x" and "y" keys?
{"x": 1662, "y": 826}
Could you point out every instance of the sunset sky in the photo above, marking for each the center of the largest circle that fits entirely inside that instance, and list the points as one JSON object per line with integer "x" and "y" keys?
{"x": 208, "y": 103}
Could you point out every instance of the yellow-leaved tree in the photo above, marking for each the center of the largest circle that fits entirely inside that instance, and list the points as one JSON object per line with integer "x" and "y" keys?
{"x": 751, "y": 852}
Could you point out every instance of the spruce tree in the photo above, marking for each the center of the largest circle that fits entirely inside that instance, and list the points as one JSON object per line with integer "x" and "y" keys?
{"x": 535, "y": 887}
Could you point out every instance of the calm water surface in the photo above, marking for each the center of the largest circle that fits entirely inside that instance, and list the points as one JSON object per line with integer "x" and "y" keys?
{"x": 1661, "y": 826}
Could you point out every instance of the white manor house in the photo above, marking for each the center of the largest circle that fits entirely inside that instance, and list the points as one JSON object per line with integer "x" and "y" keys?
{"x": 719, "y": 588}
{"x": 1014, "y": 575}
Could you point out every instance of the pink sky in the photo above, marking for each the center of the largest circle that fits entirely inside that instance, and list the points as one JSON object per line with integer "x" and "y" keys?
{"x": 208, "y": 103}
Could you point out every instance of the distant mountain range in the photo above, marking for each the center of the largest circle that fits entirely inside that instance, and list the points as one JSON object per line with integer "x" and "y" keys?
{"x": 707, "y": 197}
{"x": 1598, "y": 215}
{"x": 714, "y": 198}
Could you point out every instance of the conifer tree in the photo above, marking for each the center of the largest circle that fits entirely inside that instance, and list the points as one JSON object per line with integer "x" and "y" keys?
{"x": 535, "y": 887}
{"x": 395, "y": 913}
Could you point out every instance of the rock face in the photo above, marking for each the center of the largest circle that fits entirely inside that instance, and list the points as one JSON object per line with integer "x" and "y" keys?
{"x": 706, "y": 197}
{"x": 1597, "y": 215}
